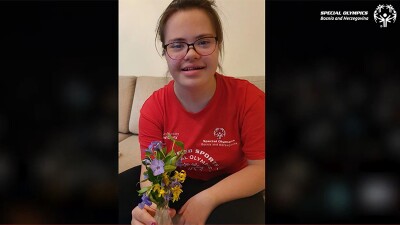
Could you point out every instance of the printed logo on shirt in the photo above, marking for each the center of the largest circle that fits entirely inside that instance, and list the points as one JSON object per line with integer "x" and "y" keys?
{"x": 198, "y": 160}
{"x": 219, "y": 133}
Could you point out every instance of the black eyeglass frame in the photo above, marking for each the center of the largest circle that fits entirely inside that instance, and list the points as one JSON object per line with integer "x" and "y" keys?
{"x": 191, "y": 44}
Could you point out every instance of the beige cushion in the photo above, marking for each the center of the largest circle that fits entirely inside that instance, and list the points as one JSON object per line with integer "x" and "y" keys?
{"x": 125, "y": 96}
{"x": 129, "y": 153}
{"x": 258, "y": 81}
{"x": 122, "y": 136}
{"x": 145, "y": 86}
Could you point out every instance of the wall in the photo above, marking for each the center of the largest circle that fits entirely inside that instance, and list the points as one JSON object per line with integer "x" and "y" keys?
{"x": 244, "y": 34}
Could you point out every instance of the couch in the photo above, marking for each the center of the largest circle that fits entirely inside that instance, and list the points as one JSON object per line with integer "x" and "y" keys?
{"x": 133, "y": 91}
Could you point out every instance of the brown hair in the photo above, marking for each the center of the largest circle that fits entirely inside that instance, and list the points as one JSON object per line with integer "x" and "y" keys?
{"x": 207, "y": 6}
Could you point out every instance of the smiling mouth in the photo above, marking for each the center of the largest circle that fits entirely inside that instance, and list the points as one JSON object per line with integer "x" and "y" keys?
{"x": 192, "y": 68}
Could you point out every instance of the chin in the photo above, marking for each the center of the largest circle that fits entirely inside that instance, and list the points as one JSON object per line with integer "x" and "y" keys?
{"x": 191, "y": 81}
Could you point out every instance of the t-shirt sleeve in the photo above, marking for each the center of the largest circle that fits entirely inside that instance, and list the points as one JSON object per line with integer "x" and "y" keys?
{"x": 253, "y": 124}
{"x": 150, "y": 123}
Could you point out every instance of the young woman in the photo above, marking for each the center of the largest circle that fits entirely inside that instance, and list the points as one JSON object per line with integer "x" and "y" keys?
{"x": 220, "y": 119}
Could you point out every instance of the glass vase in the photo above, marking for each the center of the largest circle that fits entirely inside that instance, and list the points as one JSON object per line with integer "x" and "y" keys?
{"x": 162, "y": 216}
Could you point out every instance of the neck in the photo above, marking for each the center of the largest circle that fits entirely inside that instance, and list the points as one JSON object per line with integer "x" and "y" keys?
{"x": 194, "y": 99}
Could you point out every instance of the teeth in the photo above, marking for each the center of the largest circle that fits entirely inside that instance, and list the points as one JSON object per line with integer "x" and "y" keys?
{"x": 191, "y": 68}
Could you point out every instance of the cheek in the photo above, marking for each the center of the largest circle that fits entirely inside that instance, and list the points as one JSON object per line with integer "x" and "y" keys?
{"x": 215, "y": 56}
{"x": 213, "y": 60}
{"x": 173, "y": 65}
{"x": 170, "y": 63}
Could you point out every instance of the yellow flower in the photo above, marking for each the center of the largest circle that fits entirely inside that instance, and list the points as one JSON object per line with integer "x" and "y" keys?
{"x": 176, "y": 191}
{"x": 156, "y": 187}
{"x": 176, "y": 175}
{"x": 180, "y": 176}
{"x": 165, "y": 179}
{"x": 161, "y": 192}
{"x": 159, "y": 189}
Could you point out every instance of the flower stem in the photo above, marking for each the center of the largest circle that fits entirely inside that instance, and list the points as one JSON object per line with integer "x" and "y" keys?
{"x": 173, "y": 145}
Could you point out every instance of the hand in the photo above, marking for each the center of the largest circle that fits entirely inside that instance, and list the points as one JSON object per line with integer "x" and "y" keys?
{"x": 197, "y": 209}
{"x": 145, "y": 216}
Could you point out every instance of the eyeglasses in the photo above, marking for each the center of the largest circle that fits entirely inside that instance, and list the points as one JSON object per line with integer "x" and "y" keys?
{"x": 203, "y": 46}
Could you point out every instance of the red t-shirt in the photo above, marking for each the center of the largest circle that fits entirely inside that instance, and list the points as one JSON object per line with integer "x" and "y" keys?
{"x": 219, "y": 139}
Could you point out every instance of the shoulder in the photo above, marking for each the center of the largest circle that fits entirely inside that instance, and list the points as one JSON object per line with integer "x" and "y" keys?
{"x": 240, "y": 85}
{"x": 157, "y": 99}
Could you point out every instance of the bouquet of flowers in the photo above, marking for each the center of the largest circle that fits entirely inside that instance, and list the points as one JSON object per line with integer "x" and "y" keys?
{"x": 161, "y": 172}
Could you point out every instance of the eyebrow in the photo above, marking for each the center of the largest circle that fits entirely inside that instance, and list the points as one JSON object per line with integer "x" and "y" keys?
{"x": 197, "y": 37}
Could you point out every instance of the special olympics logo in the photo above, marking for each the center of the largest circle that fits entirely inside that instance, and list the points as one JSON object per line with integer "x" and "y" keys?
{"x": 219, "y": 133}
{"x": 385, "y": 14}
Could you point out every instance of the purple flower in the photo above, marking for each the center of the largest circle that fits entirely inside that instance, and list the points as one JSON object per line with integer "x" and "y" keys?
{"x": 146, "y": 162}
{"x": 175, "y": 183}
{"x": 157, "y": 166}
{"x": 168, "y": 197}
{"x": 145, "y": 201}
{"x": 155, "y": 146}
{"x": 179, "y": 162}
{"x": 149, "y": 150}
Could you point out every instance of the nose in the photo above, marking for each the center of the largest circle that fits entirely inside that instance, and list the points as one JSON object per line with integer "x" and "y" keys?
{"x": 191, "y": 53}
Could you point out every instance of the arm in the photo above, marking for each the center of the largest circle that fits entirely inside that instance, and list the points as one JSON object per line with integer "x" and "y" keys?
{"x": 244, "y": 183}
{"x": 250, "y": 179}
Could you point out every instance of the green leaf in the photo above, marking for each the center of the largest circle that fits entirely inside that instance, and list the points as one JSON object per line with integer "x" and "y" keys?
{"x": 154, "y": 198}
{"x": 171, "y": 153}
{"x": 180, "y": 144}
{"x": 143, "y": 190}
{"x": 171, "y": 161}
{"x": 158, "y": 155}
{"x": 169, "y": 168}
{"x": 164, "y": 150}
{"x": 167, "y": 159}
{"x": 151, "y": 196}
{"x": 150, "y": 175}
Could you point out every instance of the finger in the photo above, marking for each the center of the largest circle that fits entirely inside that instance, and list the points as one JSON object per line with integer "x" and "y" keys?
{"x": 183, "y": 208}
{"x": 172, "y": 212}
{"x": 134, "y": 220}
{"x": 181, "y": 220}
{"x": 142, "y": 216}
{"x": 150, "y": 210}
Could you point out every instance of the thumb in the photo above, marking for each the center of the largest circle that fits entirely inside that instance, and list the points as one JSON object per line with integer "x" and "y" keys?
{"x": 143, "y": 217}
{"x": 172, "y": 212}
{"x": 147, "y": 219}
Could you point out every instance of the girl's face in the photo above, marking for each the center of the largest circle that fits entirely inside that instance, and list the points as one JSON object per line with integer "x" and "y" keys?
{"x": 188, "y": 26}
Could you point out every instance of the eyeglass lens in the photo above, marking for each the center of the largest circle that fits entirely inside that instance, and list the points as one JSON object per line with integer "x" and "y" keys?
{"x": 203, "y": 46}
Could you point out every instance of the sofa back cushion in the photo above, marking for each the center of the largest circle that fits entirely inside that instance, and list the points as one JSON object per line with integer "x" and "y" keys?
{"x": 145, "y": 86}
{"x": 125, "y": 96}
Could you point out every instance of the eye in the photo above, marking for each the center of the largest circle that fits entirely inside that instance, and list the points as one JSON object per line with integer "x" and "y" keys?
{"x": 203, "y": 42}
{"x": 176, "y": 45}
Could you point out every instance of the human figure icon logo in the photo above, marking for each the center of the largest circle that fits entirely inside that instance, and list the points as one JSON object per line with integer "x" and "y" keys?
{"x": 385, "y": 14}
{"x": 219, "y": 133}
